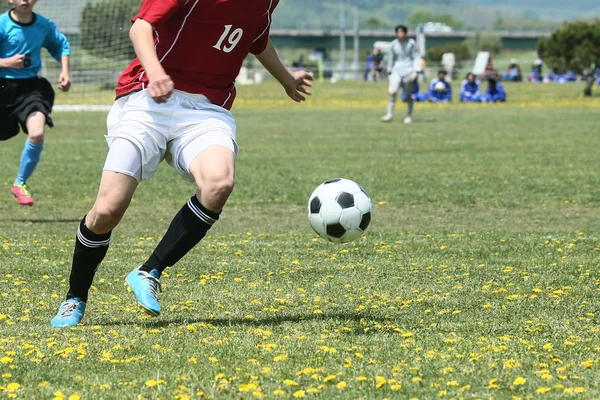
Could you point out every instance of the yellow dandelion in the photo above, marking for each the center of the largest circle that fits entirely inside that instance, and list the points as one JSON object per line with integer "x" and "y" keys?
{"x": 312, "y": 390}
{"x": 299, "y": 394}
{"x": 519, "y": 381}
{"x": 379, "y": 381}
{"x": 289, "y": 382}
{"x": 341, "y": 385}
{"x": 278, "y": 392}
{"x": 542, "y": 390}
{"x": 395, "y": 387}
{"x": 12, "y": 387}
{"x": 510, "y": 364}
{"x": 361, "y": 378}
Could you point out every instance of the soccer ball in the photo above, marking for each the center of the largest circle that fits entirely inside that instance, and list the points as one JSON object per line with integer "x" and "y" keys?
{"x": 440, "y": 87}
{"x": 339, "y": 210}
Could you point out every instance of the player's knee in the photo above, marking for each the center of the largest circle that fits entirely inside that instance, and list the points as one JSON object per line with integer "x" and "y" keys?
{"x": 36, "y": 136}
{"x": 217, "y": 189}
{"x": 393, "y": 94}
{"x": 105, "y": 216}
{"x": 220, "y": 189}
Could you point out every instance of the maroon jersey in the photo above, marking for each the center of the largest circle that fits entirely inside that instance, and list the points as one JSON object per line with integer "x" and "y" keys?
{"x": 202, "y": 44}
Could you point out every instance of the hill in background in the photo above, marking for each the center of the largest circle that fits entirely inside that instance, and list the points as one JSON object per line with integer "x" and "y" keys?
{"x": 474, "y": 14}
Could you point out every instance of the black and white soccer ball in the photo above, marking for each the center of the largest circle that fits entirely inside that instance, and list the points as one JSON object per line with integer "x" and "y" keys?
{"x": 339, "y": 210}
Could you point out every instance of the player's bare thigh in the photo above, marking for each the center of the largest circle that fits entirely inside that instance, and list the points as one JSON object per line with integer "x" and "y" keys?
{"x": 213, "y": 171}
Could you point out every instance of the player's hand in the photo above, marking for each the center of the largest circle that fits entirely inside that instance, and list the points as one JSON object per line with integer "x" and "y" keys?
{"x": 17, "y": 61}
{"x": 298, "y": 86}
{"x": 414, "y": 76}
{"x": 64, "y": 82}
{"x": 161, "y": 88}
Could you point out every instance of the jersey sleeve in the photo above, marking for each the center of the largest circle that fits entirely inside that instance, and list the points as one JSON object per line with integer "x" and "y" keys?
{"x": 157, "y": 12}
{"x": 56, "y": 43}
{"x": 262, "y": 36}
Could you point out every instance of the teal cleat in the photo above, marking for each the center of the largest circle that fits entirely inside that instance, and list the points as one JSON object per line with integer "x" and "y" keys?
{"x": 145, "y": 286}
{"x": 69, "y": 314}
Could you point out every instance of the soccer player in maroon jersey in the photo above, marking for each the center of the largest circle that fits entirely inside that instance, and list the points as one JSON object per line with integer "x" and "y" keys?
{"x": 173, "y": 103}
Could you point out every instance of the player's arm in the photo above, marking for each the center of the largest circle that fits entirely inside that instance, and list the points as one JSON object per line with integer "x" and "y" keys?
{"x": 294, "y": 83}
{"x": 64, "y": 79}
{"x": 392, "y": 61}
{"x": 160, "y": 86}
{"x": 416, "y": 57}
{"x": 17, "y": 61}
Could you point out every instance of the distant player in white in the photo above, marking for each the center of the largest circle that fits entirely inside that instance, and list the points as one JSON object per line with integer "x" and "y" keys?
{"x": 405, "y": 64}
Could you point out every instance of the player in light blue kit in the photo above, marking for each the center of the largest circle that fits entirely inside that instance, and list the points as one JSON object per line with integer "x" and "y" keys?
{"x": 25, "y": 98}
{"x": 404, "y": 66}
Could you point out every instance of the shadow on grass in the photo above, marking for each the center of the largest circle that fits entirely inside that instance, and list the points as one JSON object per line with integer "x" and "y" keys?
{"x": 42, "y": 221}
{"x": 270, "y": 321}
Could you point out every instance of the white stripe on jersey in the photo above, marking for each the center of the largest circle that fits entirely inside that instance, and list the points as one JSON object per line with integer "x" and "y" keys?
{"x": 268, "y": 14}
{"x": 180, "y": 29}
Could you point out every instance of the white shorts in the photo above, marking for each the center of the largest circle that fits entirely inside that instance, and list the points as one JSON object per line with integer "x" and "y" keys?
{"x": 397, "y": 82}
{"x": 141, "y": 133}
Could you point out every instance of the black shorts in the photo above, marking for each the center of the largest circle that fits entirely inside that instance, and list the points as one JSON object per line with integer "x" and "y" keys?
{"x": 19, "y": 98}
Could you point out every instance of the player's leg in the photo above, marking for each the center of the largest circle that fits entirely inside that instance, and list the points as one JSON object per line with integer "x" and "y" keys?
{"x": 394, "y": 87}
{"x": 213, "y": 173}
{"x": 209, "y": 159}
{"x": 35, "y": 98}
{"x": 408, "y": 86}
{"x": 92, "y": 241}
{"x": 135, "y": 153}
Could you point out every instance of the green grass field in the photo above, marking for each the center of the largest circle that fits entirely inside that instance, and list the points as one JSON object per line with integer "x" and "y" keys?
{"x": 478, "y": 277}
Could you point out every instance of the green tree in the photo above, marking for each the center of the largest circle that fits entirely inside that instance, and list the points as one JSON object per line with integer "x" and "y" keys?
{"x": 461, "y": 52}
{"x": 105, "y": 28}
{"x": 421, "y": 16}
{"x": 374, "y": 23}
{"x": 573, "y": 46}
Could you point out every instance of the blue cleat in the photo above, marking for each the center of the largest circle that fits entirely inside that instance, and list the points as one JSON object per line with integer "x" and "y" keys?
{"x": 145, "y": 286}
{"x": 69, "y": 314}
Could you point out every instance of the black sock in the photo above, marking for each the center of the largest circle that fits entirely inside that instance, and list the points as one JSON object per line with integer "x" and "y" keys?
{"x": 187, "y": 229}
{"x": 90, "y": 250}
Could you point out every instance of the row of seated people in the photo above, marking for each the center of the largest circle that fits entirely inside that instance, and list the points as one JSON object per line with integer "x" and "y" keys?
{"x": 552, "y": 76}
{"x": 440, "y": 91}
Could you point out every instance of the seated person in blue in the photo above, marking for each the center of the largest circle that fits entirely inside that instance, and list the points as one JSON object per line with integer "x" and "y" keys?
{"x": 495, "y": 92}
{"x": 513, "y": 73}
{"x": 440, "y": 90}
{"x": 416, "y": 95}
{"x": 470, "y": 91}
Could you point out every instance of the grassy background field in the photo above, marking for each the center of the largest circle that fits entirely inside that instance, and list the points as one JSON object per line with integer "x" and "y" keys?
{"x": 478, "y": 277}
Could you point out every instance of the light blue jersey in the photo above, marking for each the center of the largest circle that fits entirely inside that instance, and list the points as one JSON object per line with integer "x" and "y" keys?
{"x": 28, "y": 39}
